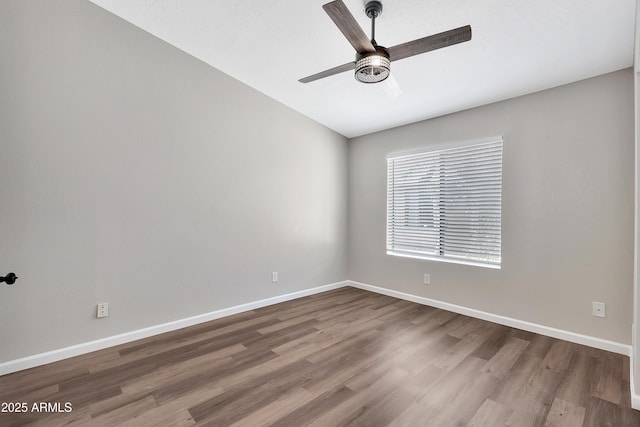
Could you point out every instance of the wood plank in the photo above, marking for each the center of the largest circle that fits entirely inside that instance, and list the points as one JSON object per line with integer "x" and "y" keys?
{"x": 501, "y": 363}
{"x": 564, "y": 414}
{"x": 463, "y": 406}
{"x": 576, "y": 383}
{"x": 600, "y": 413}
{"x": 445, "y": 390}
{"x": 606, "y": 375}
{"x": 493, "y": 343}
{"x": 347, "y": 412}
{"x": 202, "y": 379}
{"x": 313, "y": 409}
{"x": 277, "y": 409}
{"x": 450, "y": 358}
{"x": 174, "y": 412}
{"x": 233, "y": 405}
{"x": 490, "y": 414}
{"x": 532, "y": 400}
{"x": 391, "y": 406}
{"x": 559, "y": 356}
{"x": 117, "y": 416}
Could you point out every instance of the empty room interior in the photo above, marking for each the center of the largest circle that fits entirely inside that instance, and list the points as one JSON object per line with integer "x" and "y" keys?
{"x": 327, "y": 213}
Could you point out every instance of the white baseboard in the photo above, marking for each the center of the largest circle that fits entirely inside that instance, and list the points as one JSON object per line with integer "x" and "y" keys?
{"x": 587, "y": 340}
{"x": 83, "y": 348}
{"x": 635, "y": 398}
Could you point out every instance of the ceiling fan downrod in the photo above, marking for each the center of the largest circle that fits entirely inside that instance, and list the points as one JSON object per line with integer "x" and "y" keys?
{"x": 373, "y": 9}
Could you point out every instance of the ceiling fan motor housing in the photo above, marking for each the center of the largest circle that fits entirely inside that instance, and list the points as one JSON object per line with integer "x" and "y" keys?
{"x": 373, "y": 67}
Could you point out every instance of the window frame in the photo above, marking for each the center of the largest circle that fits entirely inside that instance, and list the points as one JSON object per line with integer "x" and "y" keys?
{"x": 437, "y": 213}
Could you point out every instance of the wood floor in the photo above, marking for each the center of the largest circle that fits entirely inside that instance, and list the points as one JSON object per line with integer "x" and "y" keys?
{"x": 344, "y": 357}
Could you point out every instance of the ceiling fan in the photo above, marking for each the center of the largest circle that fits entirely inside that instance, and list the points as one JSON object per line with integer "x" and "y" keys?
{"x": 373, "y": 62}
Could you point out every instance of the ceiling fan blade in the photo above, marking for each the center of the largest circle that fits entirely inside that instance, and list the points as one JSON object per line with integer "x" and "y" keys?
{"x": 330, "y": 72}
{"x": 429, "y": 43}
{"x": 345, "y": 21}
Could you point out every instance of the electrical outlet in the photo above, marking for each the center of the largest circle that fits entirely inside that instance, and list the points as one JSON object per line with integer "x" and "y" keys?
{"x": 599, "y": 309}
{"x": 274, "y": 276}
{"x": 103, "y": 310}
{"x": 427, "y": 279}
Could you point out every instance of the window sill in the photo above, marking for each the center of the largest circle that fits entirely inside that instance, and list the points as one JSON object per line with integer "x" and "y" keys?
{"x": 447, "y": 260}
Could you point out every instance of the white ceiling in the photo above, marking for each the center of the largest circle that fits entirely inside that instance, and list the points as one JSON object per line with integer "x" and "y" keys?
{"x": 518, "y": 47}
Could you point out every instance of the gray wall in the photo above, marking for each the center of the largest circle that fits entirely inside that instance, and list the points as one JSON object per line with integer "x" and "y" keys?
{"x": 131, "y": 173}
{"x": 568, "y": 198}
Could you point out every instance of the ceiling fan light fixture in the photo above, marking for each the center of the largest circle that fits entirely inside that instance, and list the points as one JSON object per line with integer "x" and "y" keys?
{"x": 373, "y": 67}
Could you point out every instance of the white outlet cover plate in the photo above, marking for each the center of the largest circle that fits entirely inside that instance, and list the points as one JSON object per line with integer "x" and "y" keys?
{"x": 103, "y": 310}
{"x": 599, "y": 309}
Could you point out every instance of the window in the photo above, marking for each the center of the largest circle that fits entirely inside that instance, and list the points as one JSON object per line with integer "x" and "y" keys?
{"x": 445, "y": 204}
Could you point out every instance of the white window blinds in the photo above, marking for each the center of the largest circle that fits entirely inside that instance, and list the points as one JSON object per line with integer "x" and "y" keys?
{"x": 446, "y": 204}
